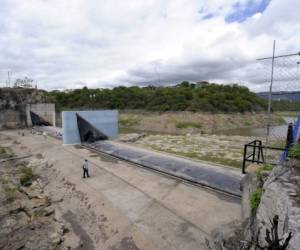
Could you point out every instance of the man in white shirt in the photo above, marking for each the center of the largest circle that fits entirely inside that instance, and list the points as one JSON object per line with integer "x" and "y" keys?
{"x": 85, "y": 167}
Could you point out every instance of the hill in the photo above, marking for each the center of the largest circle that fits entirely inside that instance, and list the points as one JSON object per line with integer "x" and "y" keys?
{"x": 282, "y": 95}
{"x": 283, "y": 100}
{"x": 185, "y": 96}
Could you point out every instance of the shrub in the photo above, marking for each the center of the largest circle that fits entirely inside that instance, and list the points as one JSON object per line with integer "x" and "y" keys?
{"x": 188, "y": 125}
{"x": 27, "y": 176}
{"x": 10, "y": 193}
{"x": 2, "y": 150}
{"x": 255, "y": 198}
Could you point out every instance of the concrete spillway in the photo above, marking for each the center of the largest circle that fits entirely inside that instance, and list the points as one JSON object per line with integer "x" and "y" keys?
{"x": 216, "y": 177}
{"x": 219, "y": 178}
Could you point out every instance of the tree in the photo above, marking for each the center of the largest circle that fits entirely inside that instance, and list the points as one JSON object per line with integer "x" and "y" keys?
{"x": 24, "y": 83}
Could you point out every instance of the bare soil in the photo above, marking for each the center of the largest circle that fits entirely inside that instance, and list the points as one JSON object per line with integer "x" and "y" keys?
{"x": 184, "y": 122}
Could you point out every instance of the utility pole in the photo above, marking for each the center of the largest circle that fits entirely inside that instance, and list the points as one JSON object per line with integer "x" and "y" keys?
{"x": 270, "y": 101}
{"x": 8, "y": 79}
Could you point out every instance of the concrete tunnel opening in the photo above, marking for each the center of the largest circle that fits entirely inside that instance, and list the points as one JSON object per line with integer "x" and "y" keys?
{"x": 37, "y": 120}
{"x": 88, "y": 132}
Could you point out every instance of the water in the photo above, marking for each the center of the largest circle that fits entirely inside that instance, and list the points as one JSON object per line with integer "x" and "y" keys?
{"x": 278, "y": 131}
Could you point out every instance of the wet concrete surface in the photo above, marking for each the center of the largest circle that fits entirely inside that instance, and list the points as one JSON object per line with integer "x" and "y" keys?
{"x": 217, "y": 177}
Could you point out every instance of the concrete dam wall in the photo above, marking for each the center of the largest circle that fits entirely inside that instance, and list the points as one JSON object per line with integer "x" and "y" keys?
{"x": 13, "y": 103}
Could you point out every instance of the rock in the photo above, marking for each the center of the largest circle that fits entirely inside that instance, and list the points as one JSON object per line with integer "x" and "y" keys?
{"x": 31, "y": 192}
{"x": 133, "y": 137}
{"x": 228, "y": 237}
{"x": 49, "y": 211}
{"x": 280, "y": 198}
{"x": 248, "y": 185}
{"x": 277, "y": 201}
{"x": 55, "y": 238}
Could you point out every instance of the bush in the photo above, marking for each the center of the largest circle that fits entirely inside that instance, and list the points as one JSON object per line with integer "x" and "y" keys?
{"x": 194, "y": 97}
{"x": 27, "y": 176}
{"x": 2, "y": 150}
{"x": 10, "y": 193}
{"x": 255, "y": 198}
{"x": 188, "y": 125}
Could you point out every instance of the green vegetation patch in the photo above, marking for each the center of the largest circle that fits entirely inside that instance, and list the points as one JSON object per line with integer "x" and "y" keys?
{"x": 27, "y": 176}
{"x": 188, "y": 125}
{"x": 294, "y": 152}
{"x": 206, "y": 97}
{"x": 10, "y": 193}
{"x": 2, "y": 150}
{"x": 264, "y": 167}
{"x": 255, "y": 198}
{"x": 129, "y": 121}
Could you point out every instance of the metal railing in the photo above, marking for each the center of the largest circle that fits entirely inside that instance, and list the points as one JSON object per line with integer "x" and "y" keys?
{"x": 257, "y": 153}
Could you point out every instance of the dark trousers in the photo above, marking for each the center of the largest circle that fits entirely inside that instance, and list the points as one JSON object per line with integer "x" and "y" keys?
{"x": 85, "y": 173}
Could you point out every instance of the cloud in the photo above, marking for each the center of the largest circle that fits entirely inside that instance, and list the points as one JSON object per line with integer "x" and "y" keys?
{"x": 68, "y": 44}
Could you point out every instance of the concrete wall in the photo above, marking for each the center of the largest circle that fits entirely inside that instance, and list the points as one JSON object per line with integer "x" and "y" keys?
{"x": 105, "y": 120}
{"x": 44, "y": 110}
{"x": 11, "y": 119}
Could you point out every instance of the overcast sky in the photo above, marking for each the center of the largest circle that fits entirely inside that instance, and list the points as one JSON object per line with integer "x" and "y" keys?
{"x": 67, "y": 44}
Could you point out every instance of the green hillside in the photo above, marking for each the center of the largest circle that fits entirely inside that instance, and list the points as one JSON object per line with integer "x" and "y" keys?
{"x": 185, "y": 96}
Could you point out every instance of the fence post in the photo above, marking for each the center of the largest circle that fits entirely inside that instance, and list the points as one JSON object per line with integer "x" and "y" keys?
{"x": 244, "y": 159}
{"x": 289, "y": 137}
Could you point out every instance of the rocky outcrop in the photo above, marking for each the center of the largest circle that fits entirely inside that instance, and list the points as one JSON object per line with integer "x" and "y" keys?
{"x": 13, "y": 105}
{"x": 27, "y": 217}
{"x": 279, "y": 199}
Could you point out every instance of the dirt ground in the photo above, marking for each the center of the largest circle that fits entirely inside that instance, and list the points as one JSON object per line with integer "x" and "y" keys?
{"x": 120, "y": 206}
{"x": 220, "y": 149}
{"x": 183, "y": 122}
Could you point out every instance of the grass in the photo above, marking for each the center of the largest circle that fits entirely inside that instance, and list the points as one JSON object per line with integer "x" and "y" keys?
{"x": 278, "y": 143}
{"x": 287, "y": 113}
{"x": 255, "y": 198}
{"x": 2, "y": 150}
{"x": 5, "y": 152}
{"x": 209, "y": 157}
{"x": 27, "y": 175}
{"x": 294, "y": 152}
{"x": 188, "y": 125}
{"x": 277, "y": 120}
{"x": 10, "y": 193}
{"x": 222, "y": 161}
{"x": 248, "y": 123}
{"x": 129, "y": 121}
{"x": 264, "y": 167}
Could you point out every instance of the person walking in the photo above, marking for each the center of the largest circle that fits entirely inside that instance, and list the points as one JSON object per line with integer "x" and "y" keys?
{"x": 85, "y": 167}
{"x": 45, "y": 135}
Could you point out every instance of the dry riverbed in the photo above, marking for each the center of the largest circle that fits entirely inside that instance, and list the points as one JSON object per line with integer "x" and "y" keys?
{"x": 220, "y": 149}
{"x": 183, "y": 122}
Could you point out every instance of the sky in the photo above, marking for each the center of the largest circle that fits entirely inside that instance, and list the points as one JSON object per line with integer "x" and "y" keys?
{"x": 64, "y": 44}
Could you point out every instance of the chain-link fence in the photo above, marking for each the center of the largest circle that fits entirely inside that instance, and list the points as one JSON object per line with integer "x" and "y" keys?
{"x": 281, "y": 81}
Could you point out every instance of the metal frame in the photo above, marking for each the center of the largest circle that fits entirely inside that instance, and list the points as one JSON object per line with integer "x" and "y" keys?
{"x": 257, "y": 154}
